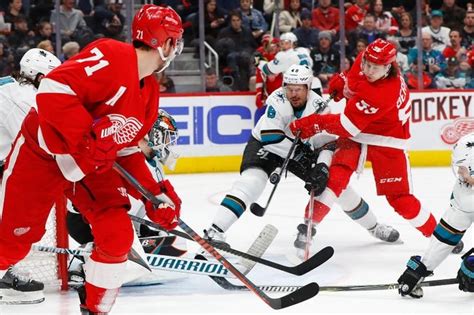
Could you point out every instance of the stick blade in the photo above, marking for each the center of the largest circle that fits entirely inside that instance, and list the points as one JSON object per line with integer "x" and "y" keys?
{"x": 257, "y": 210}
{"x": 304, "y": 293}
{"x": 315, "y": 261}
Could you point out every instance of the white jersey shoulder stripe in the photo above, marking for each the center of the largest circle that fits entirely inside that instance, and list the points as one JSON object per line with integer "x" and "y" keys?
{"x": 52, "y": 86}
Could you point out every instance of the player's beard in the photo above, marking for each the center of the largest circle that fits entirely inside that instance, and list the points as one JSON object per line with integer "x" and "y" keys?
{"x": 297, "y": 102}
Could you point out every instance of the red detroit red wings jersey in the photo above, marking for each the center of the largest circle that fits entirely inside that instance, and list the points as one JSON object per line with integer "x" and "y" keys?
{"x": 101, "y": 80}
{"x": 378, "y": 113}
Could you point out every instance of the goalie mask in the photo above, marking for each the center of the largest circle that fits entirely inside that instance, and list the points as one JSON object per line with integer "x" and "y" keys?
{"x": 463, "y": 155}
{"x": 162, "y": 136}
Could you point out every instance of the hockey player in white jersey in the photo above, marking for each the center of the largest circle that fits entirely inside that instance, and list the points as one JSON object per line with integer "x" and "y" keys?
{"x": 450, "y": 229}
{"x": 269, "y": 145}
{"x": 18, "y": 94}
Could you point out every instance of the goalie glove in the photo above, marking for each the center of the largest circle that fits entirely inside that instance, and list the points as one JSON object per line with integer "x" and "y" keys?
{"x": 166, "y": 213}
{"x": 415, "y": 273}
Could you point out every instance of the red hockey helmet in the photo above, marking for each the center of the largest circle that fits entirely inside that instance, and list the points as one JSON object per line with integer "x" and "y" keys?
{"x": 380, "y": 52}
{"x": 153, "y": 25}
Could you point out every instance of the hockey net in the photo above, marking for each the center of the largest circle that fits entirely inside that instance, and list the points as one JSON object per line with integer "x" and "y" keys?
{"x": 50, "y": 268}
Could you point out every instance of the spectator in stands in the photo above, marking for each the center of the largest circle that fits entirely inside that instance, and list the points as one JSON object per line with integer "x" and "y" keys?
{"x": 453, "y": 14}
{"x": 253, "y": 19}
{"x": 325, "y": 58}
{"x": 70, "y": 49}
{"x": 406, "y": 34}
{"x": 411, "y": 78}
{"x": 384, "y": 20}
{"x": 21, "y": 37}
{"x": 40, "y": 10}
{"x": 425, "y": 13}
{"x": 367, "y": 32}
{"x": 307, "y": 35}
{"x": 5, "y": 28}
{"x": 46, "y": 45}
{"x": 452, "y": 77}
{"x": 439, "y": 33}
{"x": 467, "y": 32}
{"x": 433, "y": 60}
{"x": 269, "y": 7}
{"x": 6, "y": 61}
{"x": 214, "y": 21}
{"x": 166, "y": 83}
{"x": 355, "y": 15}
{"x": 455, "y": 49}
{"x": 15, "y": 9}
{"x": 213, "y": 84}
{"x": 290, "y": 19}
{"x": 228, "y": 5}
{"x": 87, "y": 6}
{"x": 70, "y": 19}
{"x": 326, "y": 17}
{"x": 236, "y": 46}
{"x": 45, "y": 32}
{"x": 361, "y": 45}
{"x": 109, "y": 20}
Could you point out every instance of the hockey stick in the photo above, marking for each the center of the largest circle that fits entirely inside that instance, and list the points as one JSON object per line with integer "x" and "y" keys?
{"x": 160, "y": 262}
{"x": 309, "y": 229}
{"x": 298, "y": 270}
{"x": 275, "y": 177}
{"x": 302, "y": 294}
{"x": 225, "y": 284}
{"x": 259, "y": 247}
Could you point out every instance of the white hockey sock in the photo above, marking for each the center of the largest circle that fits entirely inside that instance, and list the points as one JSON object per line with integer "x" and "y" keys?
{"x": 357, "y": 209}
{"x": 3, "y": 272}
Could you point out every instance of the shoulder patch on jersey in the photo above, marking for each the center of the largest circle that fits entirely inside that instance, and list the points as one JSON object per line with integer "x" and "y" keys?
{"x": 6, "y": 80}
{"x": 271, "y": 112}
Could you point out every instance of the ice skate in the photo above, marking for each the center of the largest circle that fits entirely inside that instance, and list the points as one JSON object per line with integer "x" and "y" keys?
{"x": 385, "y": 233}
{"x": 458, "y": 248}
{"x": 17, "y": 289}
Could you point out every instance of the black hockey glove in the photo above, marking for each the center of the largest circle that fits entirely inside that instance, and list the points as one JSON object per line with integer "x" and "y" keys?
{"x": 317, "y": 178}
{"x": 413, "y": 275}
{"x": 466, "y": 273}
{"x": 302, "y": 160}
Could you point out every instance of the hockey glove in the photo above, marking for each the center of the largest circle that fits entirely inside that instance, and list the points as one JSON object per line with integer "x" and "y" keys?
{"x": 413, "y": 275}
{"x": 317, "y": 178}
{"x": 98, "y": 147}
{"x": 166, "y": 213}
{"x": 336, "y": 86}
{"x": 307, "y": 125}
{"x": 466, "y": 274}
{"x": 259, "y": 100}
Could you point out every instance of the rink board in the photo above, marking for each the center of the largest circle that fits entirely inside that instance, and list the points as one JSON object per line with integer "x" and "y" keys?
{"x": 214, "y": 128}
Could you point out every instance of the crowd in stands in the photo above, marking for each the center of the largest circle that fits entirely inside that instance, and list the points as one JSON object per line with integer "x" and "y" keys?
{"x": 238, "y": 29}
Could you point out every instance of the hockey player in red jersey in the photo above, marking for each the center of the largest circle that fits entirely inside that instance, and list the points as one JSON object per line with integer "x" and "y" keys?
{"x": 91, "y": 111}
{"x": 375, "y": 127}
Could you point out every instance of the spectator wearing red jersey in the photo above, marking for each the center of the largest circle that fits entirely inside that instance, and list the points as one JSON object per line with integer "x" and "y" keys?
{"x": 326, "y": 17}
{"x": 355, "y": 15}
{"x": 384, "y": 20}
{"x": 455, "y": 49}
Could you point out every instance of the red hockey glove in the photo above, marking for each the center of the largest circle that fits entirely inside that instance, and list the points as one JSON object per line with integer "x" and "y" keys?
{"x": 166, "y": 213}
{"x": 99, "y": 147}
{"x": 307, "y": 125}
{"x": 336, "y": 86}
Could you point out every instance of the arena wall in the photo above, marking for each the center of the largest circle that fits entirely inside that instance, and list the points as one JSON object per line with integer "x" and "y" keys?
{"x": 214, "y": 128}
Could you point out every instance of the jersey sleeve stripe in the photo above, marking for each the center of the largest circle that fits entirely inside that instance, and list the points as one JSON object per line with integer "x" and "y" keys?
{"x": 52, "y": 86}
{"x": 348, "y": 125}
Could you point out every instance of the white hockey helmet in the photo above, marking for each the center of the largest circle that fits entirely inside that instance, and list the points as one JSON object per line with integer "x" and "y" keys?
{"x": 298, "y": 74}
{"x": 162, "y": 136}
{"x": 289, "y": 36}
{"x": 37, "y": 61}
{"x": 463, "y": 154}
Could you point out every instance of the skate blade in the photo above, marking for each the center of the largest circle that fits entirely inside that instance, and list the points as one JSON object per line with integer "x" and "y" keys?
{"x": 10, "y": 297}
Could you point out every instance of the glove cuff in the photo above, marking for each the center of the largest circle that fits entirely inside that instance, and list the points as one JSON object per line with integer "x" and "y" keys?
{"x": 418, "y": 267}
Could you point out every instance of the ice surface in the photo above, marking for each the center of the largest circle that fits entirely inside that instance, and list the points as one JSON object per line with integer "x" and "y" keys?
{"x": 359, "y": 258}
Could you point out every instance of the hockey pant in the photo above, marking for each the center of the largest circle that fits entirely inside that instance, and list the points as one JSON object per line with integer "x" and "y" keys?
{"x": 391, "y": 171}
{"x": 32, "y": 182}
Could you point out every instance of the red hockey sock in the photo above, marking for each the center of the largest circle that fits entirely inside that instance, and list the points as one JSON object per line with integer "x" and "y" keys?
{"x": 99, "y": 300}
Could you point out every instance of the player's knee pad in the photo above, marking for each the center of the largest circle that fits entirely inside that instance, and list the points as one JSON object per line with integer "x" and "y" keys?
{"x": 409, "y": 207}
{"x": 245, "y": 190}
{"x": 466, "y": 273}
